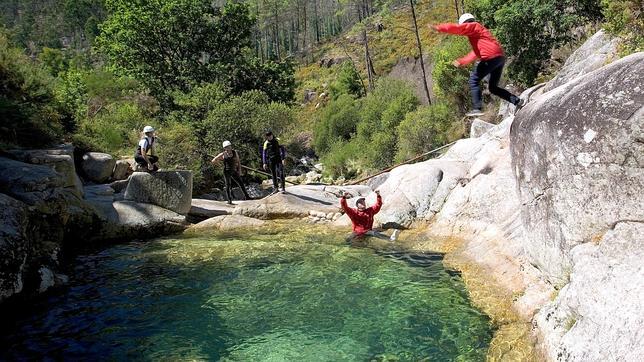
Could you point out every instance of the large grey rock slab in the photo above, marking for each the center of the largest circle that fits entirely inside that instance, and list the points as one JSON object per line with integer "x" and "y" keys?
{"x": 203, "y": 208}
{"x": 228, "y": 223}
{"x": 479, "y": 127}
{"x": 98, "y": 167}
{"x": 599, "y": 314}
{"x": 299, "y": 201}
{"x": 120, "y": 220}
{"x": 409, "y": 191}
{"x": 578, "y": 158}
{"x": 14, "y": 245}
{"x": 60, "y": 159}
{"x": 599, "y": 50}
{"x": 171, "y": 190}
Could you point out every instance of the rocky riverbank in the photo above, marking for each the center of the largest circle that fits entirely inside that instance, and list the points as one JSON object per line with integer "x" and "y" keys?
{"x": 46, "y": 210}
{"x": 542, "y": 212}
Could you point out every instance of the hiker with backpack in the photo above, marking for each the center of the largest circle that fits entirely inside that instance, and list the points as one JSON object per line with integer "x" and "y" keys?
{"x": 491, "y": 57}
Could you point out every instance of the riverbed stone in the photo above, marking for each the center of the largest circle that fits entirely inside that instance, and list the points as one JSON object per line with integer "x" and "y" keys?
{"x": 98, "y": 166}
{"x": 229, "y": 223}
{"x": 171, "y": 190}
{"x": 205, "y": 209}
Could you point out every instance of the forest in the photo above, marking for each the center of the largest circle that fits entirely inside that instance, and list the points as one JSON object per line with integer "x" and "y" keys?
{"x": 94, "y": 72}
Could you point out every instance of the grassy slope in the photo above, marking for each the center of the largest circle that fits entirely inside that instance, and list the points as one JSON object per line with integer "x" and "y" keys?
{"x": 396, "y": 41}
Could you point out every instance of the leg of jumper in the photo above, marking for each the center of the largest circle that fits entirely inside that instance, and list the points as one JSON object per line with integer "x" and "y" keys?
{"x": 497, "y": 65}
{"x": 240, "y": 182}
{"x": 479, "y": 72}
{"x": 273, "y": 167}
{"x": 229, "y": 185}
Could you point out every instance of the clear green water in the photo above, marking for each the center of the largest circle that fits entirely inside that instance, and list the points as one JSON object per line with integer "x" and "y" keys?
{"x": 283, "y": 297}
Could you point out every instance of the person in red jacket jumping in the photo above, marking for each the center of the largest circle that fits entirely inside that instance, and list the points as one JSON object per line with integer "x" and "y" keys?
{"x": 492, "y": 59}
{"x": 362, "y": 217}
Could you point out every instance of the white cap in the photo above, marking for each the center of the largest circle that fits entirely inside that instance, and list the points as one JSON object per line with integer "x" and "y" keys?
{"x": 147, "y": 129}
{"x": 465, "y": 17}
{"x": 226, "y": 144}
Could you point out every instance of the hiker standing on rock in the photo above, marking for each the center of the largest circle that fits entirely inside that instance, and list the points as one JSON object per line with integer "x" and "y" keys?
{"x": 492, "y": 60}
{"x": 273, "y": 158}
{"x": 232, "y": 170}
{"x": 145, "y": 155}
{"x": 362, "y": 218}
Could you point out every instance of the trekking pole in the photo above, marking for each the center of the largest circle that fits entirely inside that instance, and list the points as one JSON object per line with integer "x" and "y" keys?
{"x": 400, "y": 164}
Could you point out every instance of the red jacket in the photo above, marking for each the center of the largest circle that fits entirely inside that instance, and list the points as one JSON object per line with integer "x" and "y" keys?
{"x": 362, "y": 220}
{"x": 484, "y": 44}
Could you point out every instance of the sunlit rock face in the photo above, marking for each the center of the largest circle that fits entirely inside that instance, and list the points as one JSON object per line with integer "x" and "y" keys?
{"x": 578, "y": 158}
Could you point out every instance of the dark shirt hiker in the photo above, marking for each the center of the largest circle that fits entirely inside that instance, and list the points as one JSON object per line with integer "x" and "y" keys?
{"x": 273, "y": 156}
{"x": 232, "y": 170}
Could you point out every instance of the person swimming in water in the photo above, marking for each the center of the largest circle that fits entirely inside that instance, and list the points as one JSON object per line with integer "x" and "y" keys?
{"x": 362, "y": 218}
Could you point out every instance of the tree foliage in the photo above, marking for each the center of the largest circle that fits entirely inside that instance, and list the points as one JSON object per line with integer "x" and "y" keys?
{"x": 626, "y": 19}
{"x": 175, "y": 45}
{"x": 530, "y": 29}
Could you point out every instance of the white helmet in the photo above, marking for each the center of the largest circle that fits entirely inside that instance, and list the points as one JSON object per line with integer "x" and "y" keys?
{"x": 465, "y": 17}
{"x": 148, "y": 129}
{"x": 226, "y": 144}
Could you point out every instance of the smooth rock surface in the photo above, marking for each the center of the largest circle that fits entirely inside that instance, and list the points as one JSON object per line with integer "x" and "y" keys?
{"x": 97, "y": 166}
{"x": 171, "y": 190}
{"x": 599, "y": 50}
{"x": 203, "y": 208}
{"x": 579, "y": 160}
{"x": 599, "y": 315}
{"x": 228, "y": 223}
{"x": 479, "y": 127}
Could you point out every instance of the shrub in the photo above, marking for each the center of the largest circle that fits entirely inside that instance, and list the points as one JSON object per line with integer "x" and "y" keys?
{"x": 347, "y": 82}
{"x": 625, "y": 18}
{"x": 423, "y": 130}
{"x": 343, "y": 159}
{"x": 28, "y": 109}
{"x": 451, "y": 83}
{"x": 179, "y": 149}
{"x": 337, "y": 121}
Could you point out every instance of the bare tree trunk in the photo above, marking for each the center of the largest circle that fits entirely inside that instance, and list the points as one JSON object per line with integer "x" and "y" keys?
{"x": 367, "y": 59}
{"x": 456, "y": 6}
{"x": 420, "y": 51}
{"x": 317, "y": 21}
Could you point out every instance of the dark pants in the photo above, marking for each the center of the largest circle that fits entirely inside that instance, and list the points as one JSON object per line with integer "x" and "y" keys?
{"x": 277, "y": 171}
{"x": 493, "y": 67}
{"x": 141, "y": 161}
{"x": 229, "y": 177}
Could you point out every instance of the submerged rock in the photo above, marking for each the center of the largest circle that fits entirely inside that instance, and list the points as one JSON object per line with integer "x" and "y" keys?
{"x": 229, "y": 223}
{"x": 171, "y": 190}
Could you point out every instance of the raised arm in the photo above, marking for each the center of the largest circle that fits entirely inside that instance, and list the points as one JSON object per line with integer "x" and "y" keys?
{"x": 217, "y": 158}
{"x": 348, "y": 210}
{"x": 376, "y": 208}
{"x": 466, "y": 29}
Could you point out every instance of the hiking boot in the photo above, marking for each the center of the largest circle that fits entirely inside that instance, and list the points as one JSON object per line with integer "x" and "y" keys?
{"x": 394, "y": 235}
{"x": 283, "y": 190}
{"x": 474, "y": 113}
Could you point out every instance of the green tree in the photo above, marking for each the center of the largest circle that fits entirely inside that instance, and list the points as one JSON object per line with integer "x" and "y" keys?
{"x": 28, "y": 109}
{"x": 175, "y": 45}
{"x": 347, "y": 82}
{"x": 337, "y": 121}
{"x": 423, "y": 130}
{"x": 451, "y": 83}
{"x": 530, "y": 29}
